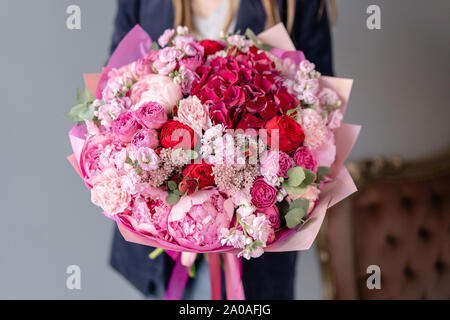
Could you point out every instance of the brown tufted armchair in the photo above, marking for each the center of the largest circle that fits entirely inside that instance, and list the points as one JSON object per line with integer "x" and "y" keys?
{"x": 399, "y": 220}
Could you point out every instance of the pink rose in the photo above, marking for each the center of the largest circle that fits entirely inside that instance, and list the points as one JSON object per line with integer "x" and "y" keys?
{"x": 151, "y": 115}
{"x": 286, "y": 163}
{"x": 272, "y": 215}
{"x": 311, "y": 194}
{"x": 108, "y": 194}
{"x": 125, "y": 127}
{"x": 90, "y": 155}
{"x": 156, "y": 88}
{"x": 151, "y": 216}
{"x": 196, "y": 220}
{"x": 194, "y": 114}
{"x": 263, "y": 194}
{"x": 145, "y": 138}
{"x": 304, "y": 158}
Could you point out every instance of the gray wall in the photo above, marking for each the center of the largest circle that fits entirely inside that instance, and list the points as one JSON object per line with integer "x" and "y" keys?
{"x": 400, "y": 96}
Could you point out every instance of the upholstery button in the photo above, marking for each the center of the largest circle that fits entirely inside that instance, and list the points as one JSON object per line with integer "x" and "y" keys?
{"x": 408, "y": 273}
{"x": 391, "y": 240}
{"x": 439, "y": 266}
{"x": 423, "y": 233}
{"x": 406, "y": 202}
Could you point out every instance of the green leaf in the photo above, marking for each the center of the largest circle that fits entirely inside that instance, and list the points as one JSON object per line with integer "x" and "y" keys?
{"x": 177, "y": 192}
{"x": 296, "y": 176}
{"x": 252, "y": 36}
{"x": 172, "y": 198}
{"x": 299, "y": 203}
{"x": 87, "y": 113}
{"x": 88, "y": 96}
{"x": 294, "y": 217}
{"x": 154, "y": 46}
{"x": 295, "y": 191}
{"x": 80, "y": 96}
{"x": 321, "y": 173}
{"x": 74, "y": 113}
{"x": 172, "y": 185}
{"x": 309, "y": 177}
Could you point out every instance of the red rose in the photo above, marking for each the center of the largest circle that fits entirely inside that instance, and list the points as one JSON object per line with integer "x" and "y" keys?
{"x": 188, "y": 186}
{"x": 211, "y": 46}
{"x": 290, "y": 134}
{"x": 201, "y": 172}
{"x": 176, "y": 134}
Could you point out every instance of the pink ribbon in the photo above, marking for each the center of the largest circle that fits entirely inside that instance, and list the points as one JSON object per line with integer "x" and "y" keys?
{"x": 233, "y": 276}
{"x": 177, "y": 282}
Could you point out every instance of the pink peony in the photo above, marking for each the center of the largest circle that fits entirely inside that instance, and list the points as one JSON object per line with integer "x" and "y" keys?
{"x": 125, "y": 127}
{"x": 151, "y": 115}
{"x": 194, "y": 114}
{"x": 272, "y": 215}
{"x": 90, "y": 155}
{"x": 263, "y": 194}
{"x": 303, "y": 158}
{"x": 196, "y": 220}
{"x": 145, "y": 138}
{"x": 156, "y": 88}
{"x": 150, "y": 215}
{"x": 108, "y": 194}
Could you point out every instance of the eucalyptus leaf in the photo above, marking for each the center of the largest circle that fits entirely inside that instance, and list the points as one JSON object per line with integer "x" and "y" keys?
{"x": 309, "y": 177}
{"x": 294, "y": 217}
{"x": 295, "y": 191}
{"x": 172, "y": 185}
{"x": 172, "y": 198}
{"x": 300, "y": 203}
{"x": 296, "y": 176}
{"x": 322, "y": 172}
{"x": 154, "y": 46}
{"x": 74, "y": 113}
{"x": 80, "y": 96}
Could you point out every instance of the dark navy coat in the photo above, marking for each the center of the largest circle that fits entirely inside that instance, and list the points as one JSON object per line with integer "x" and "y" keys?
{"x": 272, "y": 275}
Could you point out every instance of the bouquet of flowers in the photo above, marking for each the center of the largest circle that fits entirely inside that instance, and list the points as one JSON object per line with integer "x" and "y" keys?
{"x": 232, "y": 146}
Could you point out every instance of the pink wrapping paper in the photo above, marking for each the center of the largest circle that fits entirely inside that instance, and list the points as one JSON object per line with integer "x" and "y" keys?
{"x": 287, "y": 240}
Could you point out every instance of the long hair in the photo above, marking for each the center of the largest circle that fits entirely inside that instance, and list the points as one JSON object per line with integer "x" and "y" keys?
{"x": 183, "y": 13}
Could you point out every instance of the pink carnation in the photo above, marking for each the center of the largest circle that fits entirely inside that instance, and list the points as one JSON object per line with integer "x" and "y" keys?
{"x": 303, "y": 158}
{"x": 108, "y": 194}
{"x": 194, "y": 114}
{"x": 196, "y": 221}
{"x": 314, "y": 127}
